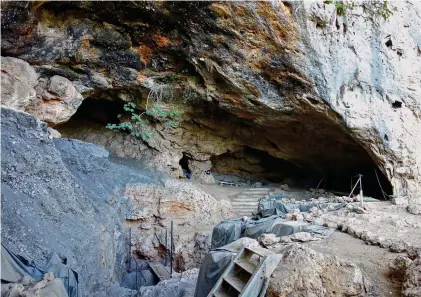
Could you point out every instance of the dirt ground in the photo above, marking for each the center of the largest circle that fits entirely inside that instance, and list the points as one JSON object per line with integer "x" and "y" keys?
{"x": 382, "y": 219}
{"x": 362, "y": 233}
{"x": 372, "y": 260}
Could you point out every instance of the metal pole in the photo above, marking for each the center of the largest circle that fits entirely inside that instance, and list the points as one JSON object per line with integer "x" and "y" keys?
{"x": 352, "y": 191}
{"x": 166, "y": 246}
{"x": 319, "y": 183}
{"x": 361, "y": 191}
{"x": 130, "y": 250}
{"x": 172, "y": 247}
{"x": 137, "y": 271}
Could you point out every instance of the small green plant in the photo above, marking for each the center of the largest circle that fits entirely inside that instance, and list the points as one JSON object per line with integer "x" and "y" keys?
{"x": 172, "y": 78}
{"x": 149, "y": 71}
{"x": 340, "y": 8}
{"x": 377, "y": 8}
{"x": 374, "y": 8}
{"x": 190, "y": 94}
{"x": 138, "y": 124}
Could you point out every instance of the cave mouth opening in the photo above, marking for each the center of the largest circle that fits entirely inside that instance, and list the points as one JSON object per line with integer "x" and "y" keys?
{"x": 92, "y": 113}
{"x": 254, "y": 164}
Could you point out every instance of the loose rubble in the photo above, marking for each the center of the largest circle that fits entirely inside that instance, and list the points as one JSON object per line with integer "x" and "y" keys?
{"x": 49, "y": 286}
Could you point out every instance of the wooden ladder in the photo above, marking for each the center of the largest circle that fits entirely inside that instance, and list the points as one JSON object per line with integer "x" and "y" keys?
{"x": 247, "y": 274}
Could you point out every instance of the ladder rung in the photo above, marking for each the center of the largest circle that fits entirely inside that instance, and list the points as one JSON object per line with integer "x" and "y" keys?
{"x": 260, "y": 251}
{"x": 235, "y": 282}
{"x": 247, "y": 266}
{"x": 223, "y": 294}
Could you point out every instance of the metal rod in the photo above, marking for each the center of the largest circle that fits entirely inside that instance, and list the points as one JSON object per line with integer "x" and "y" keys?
{"x": 352, "y": 191}
{"x": 137, "y": 272}
{"x": 172, "y": 247}
{"x": 361, "y": 192}
{"x": 319, "y": 183}
{"x": 166, "y": 247}
{"x": 130, "y": 250}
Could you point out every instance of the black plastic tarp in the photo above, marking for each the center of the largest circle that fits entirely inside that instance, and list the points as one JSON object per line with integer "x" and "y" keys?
{"x": 214, "y": 265}
{"x": 14, "y": 267}
{"x": 231, "y": 230}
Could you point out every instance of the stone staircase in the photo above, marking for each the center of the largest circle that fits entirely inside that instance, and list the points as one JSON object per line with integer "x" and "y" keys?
{"x": 245, "y": 203}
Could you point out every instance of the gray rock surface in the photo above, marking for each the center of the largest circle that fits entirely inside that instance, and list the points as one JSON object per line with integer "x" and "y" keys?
{"x": 144, "y": 278}
{"x": 18, "y": 81}
{"x": 305, "y": 272}
{"x": 55, "y": 197}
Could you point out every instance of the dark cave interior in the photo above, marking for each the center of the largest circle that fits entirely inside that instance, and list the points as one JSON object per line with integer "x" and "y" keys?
{"x": 339, "y": 162}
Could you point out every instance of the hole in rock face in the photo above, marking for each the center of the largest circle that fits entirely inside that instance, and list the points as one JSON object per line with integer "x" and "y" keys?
{"x": 184, "y": 163}
{"x": 93, "y": 113}
{"x": 397, "y": 104}
{"x": 389, "y": 43}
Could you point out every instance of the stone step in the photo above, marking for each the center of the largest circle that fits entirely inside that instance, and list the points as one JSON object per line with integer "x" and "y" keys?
{"x": 250, "y": 211}
{"x": 237, "y": 203}
{"x": 245, "y": 207}
{"x": 245, "y": 200}
{"x": 256, "y": 191}
{"x": 243, "y": 213}
{"x": 257, "y": 198}
{"x": 249, "y": 196}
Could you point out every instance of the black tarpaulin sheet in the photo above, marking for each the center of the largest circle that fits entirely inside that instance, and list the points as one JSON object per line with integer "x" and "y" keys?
{"x": 14, "y": 267}
{"x": 214, "y": 264}
{"x": 230, "y": 230}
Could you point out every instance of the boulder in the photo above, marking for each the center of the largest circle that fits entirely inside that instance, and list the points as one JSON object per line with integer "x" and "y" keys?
{"x": 303, "y": 237}
{"x": 304, "y": 272}
{"x": 268, "y": 239}
{"x": 18, "y": 81}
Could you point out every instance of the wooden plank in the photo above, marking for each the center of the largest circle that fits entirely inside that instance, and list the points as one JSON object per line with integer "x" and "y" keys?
{"x": 247, "y": 266}
{"x": 224, "y": 294}
{"x": 260, "y": 251}
{"x": 160, "y": 271}
{"x": 235, "y": 282}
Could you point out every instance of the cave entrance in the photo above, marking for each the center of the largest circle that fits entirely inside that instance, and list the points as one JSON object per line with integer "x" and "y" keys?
{"x": 184, "y": 163}
{"x": 92, "y": 114}
{"x": 255, "y": 164}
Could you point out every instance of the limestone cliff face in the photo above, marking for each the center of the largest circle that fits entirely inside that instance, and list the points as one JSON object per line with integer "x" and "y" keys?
{"x": 304, "y": 82}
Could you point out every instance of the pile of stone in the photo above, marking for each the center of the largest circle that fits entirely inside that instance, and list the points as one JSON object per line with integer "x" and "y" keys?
{"x": 408, "y": 272}
{"x": 273, "y": 242}
{"x": 28, "y": 287}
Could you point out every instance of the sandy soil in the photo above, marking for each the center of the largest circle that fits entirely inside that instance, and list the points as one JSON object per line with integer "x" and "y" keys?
{"x": 372, "y": 260}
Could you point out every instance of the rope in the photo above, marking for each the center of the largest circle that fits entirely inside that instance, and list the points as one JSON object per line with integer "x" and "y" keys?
{"x": 378, "y": 180}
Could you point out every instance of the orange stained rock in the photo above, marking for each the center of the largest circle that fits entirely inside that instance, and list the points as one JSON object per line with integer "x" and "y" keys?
{"x": 145, "y": 53}
{"x": 221, "y": 9}
{"x": 246, "y": 116}
{"x": 282, "y": 27}
{"x": 161, "y": 41}
{"x": 235, "y": 99}
{"x": 141, "y": 76}
{"x": 178, "y": 208}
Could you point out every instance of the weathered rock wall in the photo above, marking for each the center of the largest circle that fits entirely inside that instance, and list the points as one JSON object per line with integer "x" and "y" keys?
{"x": 70, "y": 197}
{"x": 326, "y": 90}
